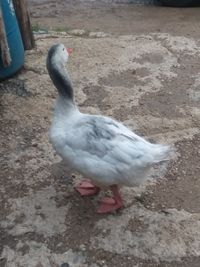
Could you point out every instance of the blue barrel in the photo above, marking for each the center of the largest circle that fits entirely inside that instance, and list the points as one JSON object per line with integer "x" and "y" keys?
{"x": 14, "y": 40}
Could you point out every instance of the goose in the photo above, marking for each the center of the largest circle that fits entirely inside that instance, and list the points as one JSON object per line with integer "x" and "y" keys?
{"x": 102, "y": 149}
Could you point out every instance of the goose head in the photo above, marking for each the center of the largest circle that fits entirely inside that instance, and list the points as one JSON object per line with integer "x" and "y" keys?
{"x": 59, "y": 54}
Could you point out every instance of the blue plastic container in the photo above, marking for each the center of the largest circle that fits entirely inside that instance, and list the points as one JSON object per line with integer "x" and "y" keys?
{"x": 14, "y": 41}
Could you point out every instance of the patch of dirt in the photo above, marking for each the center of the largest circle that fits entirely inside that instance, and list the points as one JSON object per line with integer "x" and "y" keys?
{"x": 95, "y": 94}
{"x": 116, "y": 19}
{"x": 125, "y": 79}
{"x": 136, "y": 225}
{"x": 181, "y": 187}
{"x": 173, "y": 96}
{"x": 14, "y": 86}
{"x": 154, "y": 58}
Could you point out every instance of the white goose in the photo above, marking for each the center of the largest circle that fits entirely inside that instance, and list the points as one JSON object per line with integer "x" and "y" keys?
{"x": 100, "y": 148}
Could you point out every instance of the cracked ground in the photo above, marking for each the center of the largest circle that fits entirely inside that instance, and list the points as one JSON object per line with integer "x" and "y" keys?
{"x": 140, "y": 69}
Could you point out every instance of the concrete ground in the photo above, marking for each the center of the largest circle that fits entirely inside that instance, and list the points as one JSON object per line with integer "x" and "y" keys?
{"x": 140, "y": 65}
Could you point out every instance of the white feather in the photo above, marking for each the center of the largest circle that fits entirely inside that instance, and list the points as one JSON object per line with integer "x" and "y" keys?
{"x": 103, "y": 149}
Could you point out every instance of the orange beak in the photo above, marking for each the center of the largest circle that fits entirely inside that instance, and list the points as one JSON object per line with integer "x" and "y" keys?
{"x": 69, "y": 50}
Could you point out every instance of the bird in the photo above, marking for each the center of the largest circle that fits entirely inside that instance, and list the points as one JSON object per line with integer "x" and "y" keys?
{"x": 100, "y": 148}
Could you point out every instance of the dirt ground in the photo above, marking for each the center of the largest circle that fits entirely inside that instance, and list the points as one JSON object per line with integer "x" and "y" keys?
{"x": 140, "y": 65}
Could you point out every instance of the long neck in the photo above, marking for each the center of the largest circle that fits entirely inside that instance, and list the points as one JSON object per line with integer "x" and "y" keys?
{"x": 60, "y": 79}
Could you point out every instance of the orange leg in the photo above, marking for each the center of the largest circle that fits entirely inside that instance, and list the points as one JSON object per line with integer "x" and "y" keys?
{"x": 86, "y": 188}
{"x": 109, "y": 204}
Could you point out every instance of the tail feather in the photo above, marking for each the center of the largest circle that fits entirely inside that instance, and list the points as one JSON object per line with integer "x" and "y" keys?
{"x": 162, "y": 153}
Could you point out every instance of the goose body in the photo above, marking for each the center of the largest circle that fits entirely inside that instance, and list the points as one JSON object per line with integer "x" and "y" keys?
{"x": 102, "y": 149}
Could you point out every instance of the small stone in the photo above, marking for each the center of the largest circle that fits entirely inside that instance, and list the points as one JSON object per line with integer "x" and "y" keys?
{"x": 133, "y": 71}
{"x": 77, "y": 32}
{"x": 38, "y": 207}
{"x": 65, "y": 264}
{"x": 34, "y": 144}
{"x": 59, "y": 244}
{"x": 82, "y": 247}
{"x": 98, "y": 34}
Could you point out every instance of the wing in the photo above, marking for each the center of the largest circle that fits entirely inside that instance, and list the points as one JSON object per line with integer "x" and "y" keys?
{"x": 103, "y": 136}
